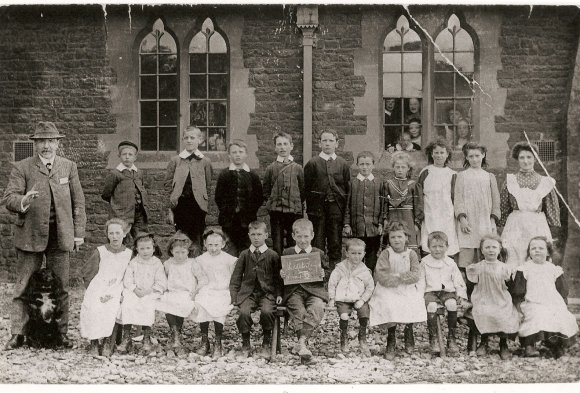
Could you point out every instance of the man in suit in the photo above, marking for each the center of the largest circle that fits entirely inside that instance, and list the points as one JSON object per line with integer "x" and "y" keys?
{"x": 45, "y": 192}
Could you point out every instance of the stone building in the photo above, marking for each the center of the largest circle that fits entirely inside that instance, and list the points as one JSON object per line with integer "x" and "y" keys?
{"x": 106, "y": 74}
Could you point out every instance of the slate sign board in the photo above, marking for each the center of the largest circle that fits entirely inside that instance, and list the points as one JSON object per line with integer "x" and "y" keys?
{"x": 301, "y": 268}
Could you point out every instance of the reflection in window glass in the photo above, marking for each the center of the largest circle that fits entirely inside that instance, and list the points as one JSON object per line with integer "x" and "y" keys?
{"x": 402, "y": 84}
{"x": 209, "y": 86}
{"x": 158, "y": 90}
{"x": 453, "y": 83}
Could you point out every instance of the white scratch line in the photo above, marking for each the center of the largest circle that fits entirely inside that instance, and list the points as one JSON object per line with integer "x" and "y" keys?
{"x": 129, "y": 17}
{"x": 531, "y": 9}
{"x": 470, "y": 83}
{"x": 555, "y": 188}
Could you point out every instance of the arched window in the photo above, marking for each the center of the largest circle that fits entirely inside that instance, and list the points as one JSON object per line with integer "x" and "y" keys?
{"x": 402, "y": 83}
{"x": 209, "y": 85}
{"x": 158, "y": 90}
{"x": 453, "y": 83}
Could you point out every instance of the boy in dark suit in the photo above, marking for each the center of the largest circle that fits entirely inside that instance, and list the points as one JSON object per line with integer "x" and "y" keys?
{"x": 238, "y": 196}
{"x": 256, "y": 283}
{"x": 305, "y": 302}
{"x": 364, "y": 207}
{"x": 326, "y": 184}
{"x": 125, "y": 192}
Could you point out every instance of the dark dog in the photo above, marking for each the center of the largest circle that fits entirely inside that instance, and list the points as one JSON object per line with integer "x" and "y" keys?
{"x": 42, "y": 300}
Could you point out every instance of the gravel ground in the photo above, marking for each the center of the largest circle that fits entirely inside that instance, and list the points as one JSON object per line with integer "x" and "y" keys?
{"x": 164, "y": 366}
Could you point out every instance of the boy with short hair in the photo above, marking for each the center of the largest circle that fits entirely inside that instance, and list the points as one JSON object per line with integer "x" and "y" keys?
{"x": 305, "y": 301}
{"x": 326, "y": 186}
{"x": 283, "y": 192}
{"x": 442, "y": 283}
{"x": 363, "y": 208}
{"x": 125, "y": 192}
{"x": 350, "y": 287}
{"x": 256, "y": 283}
{"x": 187, "y": 179}
{"x": 238, "y": 196}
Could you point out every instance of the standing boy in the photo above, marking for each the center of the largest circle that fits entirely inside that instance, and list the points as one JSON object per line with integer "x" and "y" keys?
{"x": 305, "y": 302}
{"x": 256, "y": 283}
{"x": 187, "y": 178}
{"x": 363, "y": 208}
{"x": 238, "y": 196}
{"x": 283, "y": 192}
{"x": 326, "y": 185}
{"x": 125, "y": 192}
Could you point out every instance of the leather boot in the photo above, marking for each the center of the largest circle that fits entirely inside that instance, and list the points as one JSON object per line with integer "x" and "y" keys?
{"x": 432, "y": 327}
{"x": 107, "y": 346}
{"x": 266, "y": 344}
{"x": 218, "y": 351}
{"x": 94, "y": 348}
{"x": 246, "y": 346}
{"x": 126, "y": 342}
{"x": 147, "y": 344}
{"x": 16, "y": 341}
{"x": 391, "y": 343}
{"x": 176, "y": 332}
{"x": 203, "y": 349}
{"x": 409, "y": 338}
{"x": 303, "y": 350}
{"x": 471, "y": 340}
{"x": 483, "y": 347}
{"x": 504, "y": 352}
{"x": 362, "y": 341}
{"x": 63, "y": 341}
{"x": 452, "y": 327}
{"x": 343, "y": 336}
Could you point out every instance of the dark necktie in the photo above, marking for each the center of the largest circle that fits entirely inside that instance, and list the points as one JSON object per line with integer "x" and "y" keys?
{"x": 302, "y": 251}
{"x": 257, "y": 254}
{"x": 48, "y": 166}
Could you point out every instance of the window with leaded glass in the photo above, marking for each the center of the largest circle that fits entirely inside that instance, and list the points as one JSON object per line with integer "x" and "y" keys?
{"x": 158, "y": 90}
{"x": 209, "y": 86}
{"x": 453, "y": 83}
{"x": 402, "y": 84}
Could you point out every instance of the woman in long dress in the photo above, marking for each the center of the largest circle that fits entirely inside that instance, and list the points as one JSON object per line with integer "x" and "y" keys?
{"x": 529, "y": 205}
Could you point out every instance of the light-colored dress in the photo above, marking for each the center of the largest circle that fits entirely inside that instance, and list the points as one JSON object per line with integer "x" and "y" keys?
{"x": 438, "y": 205}
{"x": 529, "y": 219}
{"x": 97, "y": 318}
{"x": 144, "y": 274}
{"x": 493, "y": 309}
{"x": 543, "y": 307}
{"x": 477, "y": 197}
{"x": 402, "y": 303}
{"x": 213, "y": 301}
{"x": 181, "y": 284}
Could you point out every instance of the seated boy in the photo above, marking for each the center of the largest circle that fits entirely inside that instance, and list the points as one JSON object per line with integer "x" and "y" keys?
{"x": 125, "y": 192}
{"x": 305, "y": 302}
{"x": 256, "y": 283}
{"x": 351, "y": 286}
{"x": 442, "y": 283}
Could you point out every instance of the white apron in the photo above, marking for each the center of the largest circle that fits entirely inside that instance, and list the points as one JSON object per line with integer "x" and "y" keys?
{"x": 524, "y": 224}
{"x": 97, "y": 319}
{"x": 438, "y": 207}
{"x": 400, "y": 304}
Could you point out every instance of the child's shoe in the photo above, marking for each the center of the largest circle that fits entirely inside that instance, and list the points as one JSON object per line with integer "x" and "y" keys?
{"x": 483, "y": 347}
{"x": 451, "y": 341}
{"x": 409, "y": 338}
{"x": 125, "y": 345}
{"x": 246, "y": 347}
{"x": 218, "y": 351}
{"x": 204, "y": 346}
{"x": 531, "y": 351}
{"x": 343, "y": 336}
{"x": 432, "y": 327}
{"x": 364, "y": 347}
{"x": 504, "y": 352}
{"x": 107, "y": 347}
{"x": 147, "y": 344}
{"x": 266, "y": 344}
{"x": 391, "y": 344}
{"x": 472, "y": 341}
{"x": 303, "y": 350}
{"x": 94, "y": 348}
{"x": 176, "y": 337}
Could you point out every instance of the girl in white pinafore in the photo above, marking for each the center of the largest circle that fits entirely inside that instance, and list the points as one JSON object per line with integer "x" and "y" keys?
{"x": 144, "y": 282}
{"x": 213, "y": 270}
{"x": 397, "y": 298}
{"x": 437, "y": 182}
{"x": 177, "y": 302}
{"x": 102, "y": 301}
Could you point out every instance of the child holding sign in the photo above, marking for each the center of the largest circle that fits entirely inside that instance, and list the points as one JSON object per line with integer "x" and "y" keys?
{"x": 351, "y": 286}
{"x": 305, "y": 301}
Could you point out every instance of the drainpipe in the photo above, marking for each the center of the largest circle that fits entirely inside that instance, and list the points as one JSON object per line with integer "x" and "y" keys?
{"x": 307, "y": 21}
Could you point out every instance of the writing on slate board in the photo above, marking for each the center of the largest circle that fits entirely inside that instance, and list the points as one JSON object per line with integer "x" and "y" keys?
{"x": 301, "y": 268}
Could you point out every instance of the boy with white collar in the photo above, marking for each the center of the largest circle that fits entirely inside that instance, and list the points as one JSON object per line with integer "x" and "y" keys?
{"x": 125, "y": 192}
{"x": 238, "y": 196}
{"x": 187, "y": 179}
{"x": 363, "y": 208}
{"x": 326, "y": 186}
{"x": 283, "y": 192}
